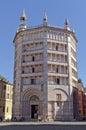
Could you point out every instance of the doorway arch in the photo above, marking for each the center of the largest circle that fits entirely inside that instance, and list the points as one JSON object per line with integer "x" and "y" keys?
{"x": 32, "y": 103}
{"x": 34, "y": 106}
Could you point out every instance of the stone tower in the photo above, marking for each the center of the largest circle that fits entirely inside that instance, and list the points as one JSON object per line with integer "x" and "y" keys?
{"x": 45, "y": 71}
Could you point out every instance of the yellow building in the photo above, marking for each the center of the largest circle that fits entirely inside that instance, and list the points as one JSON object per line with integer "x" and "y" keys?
{"x": 6, "y": 92}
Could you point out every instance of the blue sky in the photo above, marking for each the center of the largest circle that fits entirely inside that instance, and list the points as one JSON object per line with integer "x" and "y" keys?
{"x": 57, "y": 11}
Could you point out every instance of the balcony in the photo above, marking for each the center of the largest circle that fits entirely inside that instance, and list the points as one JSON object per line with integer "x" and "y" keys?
{"x": 74, "y": 78}
{"x": 32, "y": 74}
{"x": 32, "y": 51}
{"x": 73, "y": 67}
{"x": 27, "y": 63}
{"x": 55, "y": 62}
{"x": 57, "y": 52}
{"x": 57, "y": 74}
{"x": 73, "y": 58}
{"x": 56, "y": 86}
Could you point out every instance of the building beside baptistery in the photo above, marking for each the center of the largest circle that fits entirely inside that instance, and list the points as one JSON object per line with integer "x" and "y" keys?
{"x": 45, "y": 71}
{"x": 6, "y": 94}
{"x": 81, "y": 101}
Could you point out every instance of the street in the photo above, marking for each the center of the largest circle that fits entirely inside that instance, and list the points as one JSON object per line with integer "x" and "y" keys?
{"x": 43, "y": 126}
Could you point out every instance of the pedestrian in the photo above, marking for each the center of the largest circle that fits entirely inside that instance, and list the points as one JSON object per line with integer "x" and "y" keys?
{"x": 0, "y": 118}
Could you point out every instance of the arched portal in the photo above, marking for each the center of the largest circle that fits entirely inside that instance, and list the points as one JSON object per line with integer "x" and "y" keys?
{"x": 31, "y": 104}
{"x": 34, "y": 107}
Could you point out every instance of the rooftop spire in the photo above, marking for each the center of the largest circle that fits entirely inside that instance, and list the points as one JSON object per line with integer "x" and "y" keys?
{"x": 66, "y": 21}
{"x": 23, "y": 21}
{"x": 67, "y": 24}
{"x": 23, "y": 16}
{"x": 45, "y": 19}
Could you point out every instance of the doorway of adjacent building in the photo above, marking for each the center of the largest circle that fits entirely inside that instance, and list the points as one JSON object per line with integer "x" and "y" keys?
{"x": 34, "y": 111}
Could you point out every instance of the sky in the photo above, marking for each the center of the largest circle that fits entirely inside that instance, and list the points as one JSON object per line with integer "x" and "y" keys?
{"x": 57, "y": 11}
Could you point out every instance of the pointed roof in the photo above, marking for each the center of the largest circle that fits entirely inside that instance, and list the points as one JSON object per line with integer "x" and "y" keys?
{"x": 67, "y": 22}
{"x": 66, "y": 26}
{"x": 45, "y": 17}
{"x": 23, "y": 16}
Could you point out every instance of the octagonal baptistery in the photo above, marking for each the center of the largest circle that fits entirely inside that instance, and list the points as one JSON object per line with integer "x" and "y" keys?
{"x": 45, "y": 71}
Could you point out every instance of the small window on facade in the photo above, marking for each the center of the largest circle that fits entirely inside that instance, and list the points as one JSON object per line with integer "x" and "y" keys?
{"x": 23, "y": 61}
{"x": 7, "y": 109}
{"x": 56, "y": 47}
{"x": 3, "y": 109}
{"x": 58, "y": 81}
{"x": 57, "y": 70}
{"x": 7, "y": 95}
{"x": 58, "y": 103}
{"x": 4, "y": 87}
{"x": 33, "y": 81}
{"x": 33, "y": 58}
{"x": 42, "y": 87}
{"x": 23, "y": 71}
{"x": 33, "y": 70}
{"x": 58, "y": 97}
{"x": 8, "y": 88}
